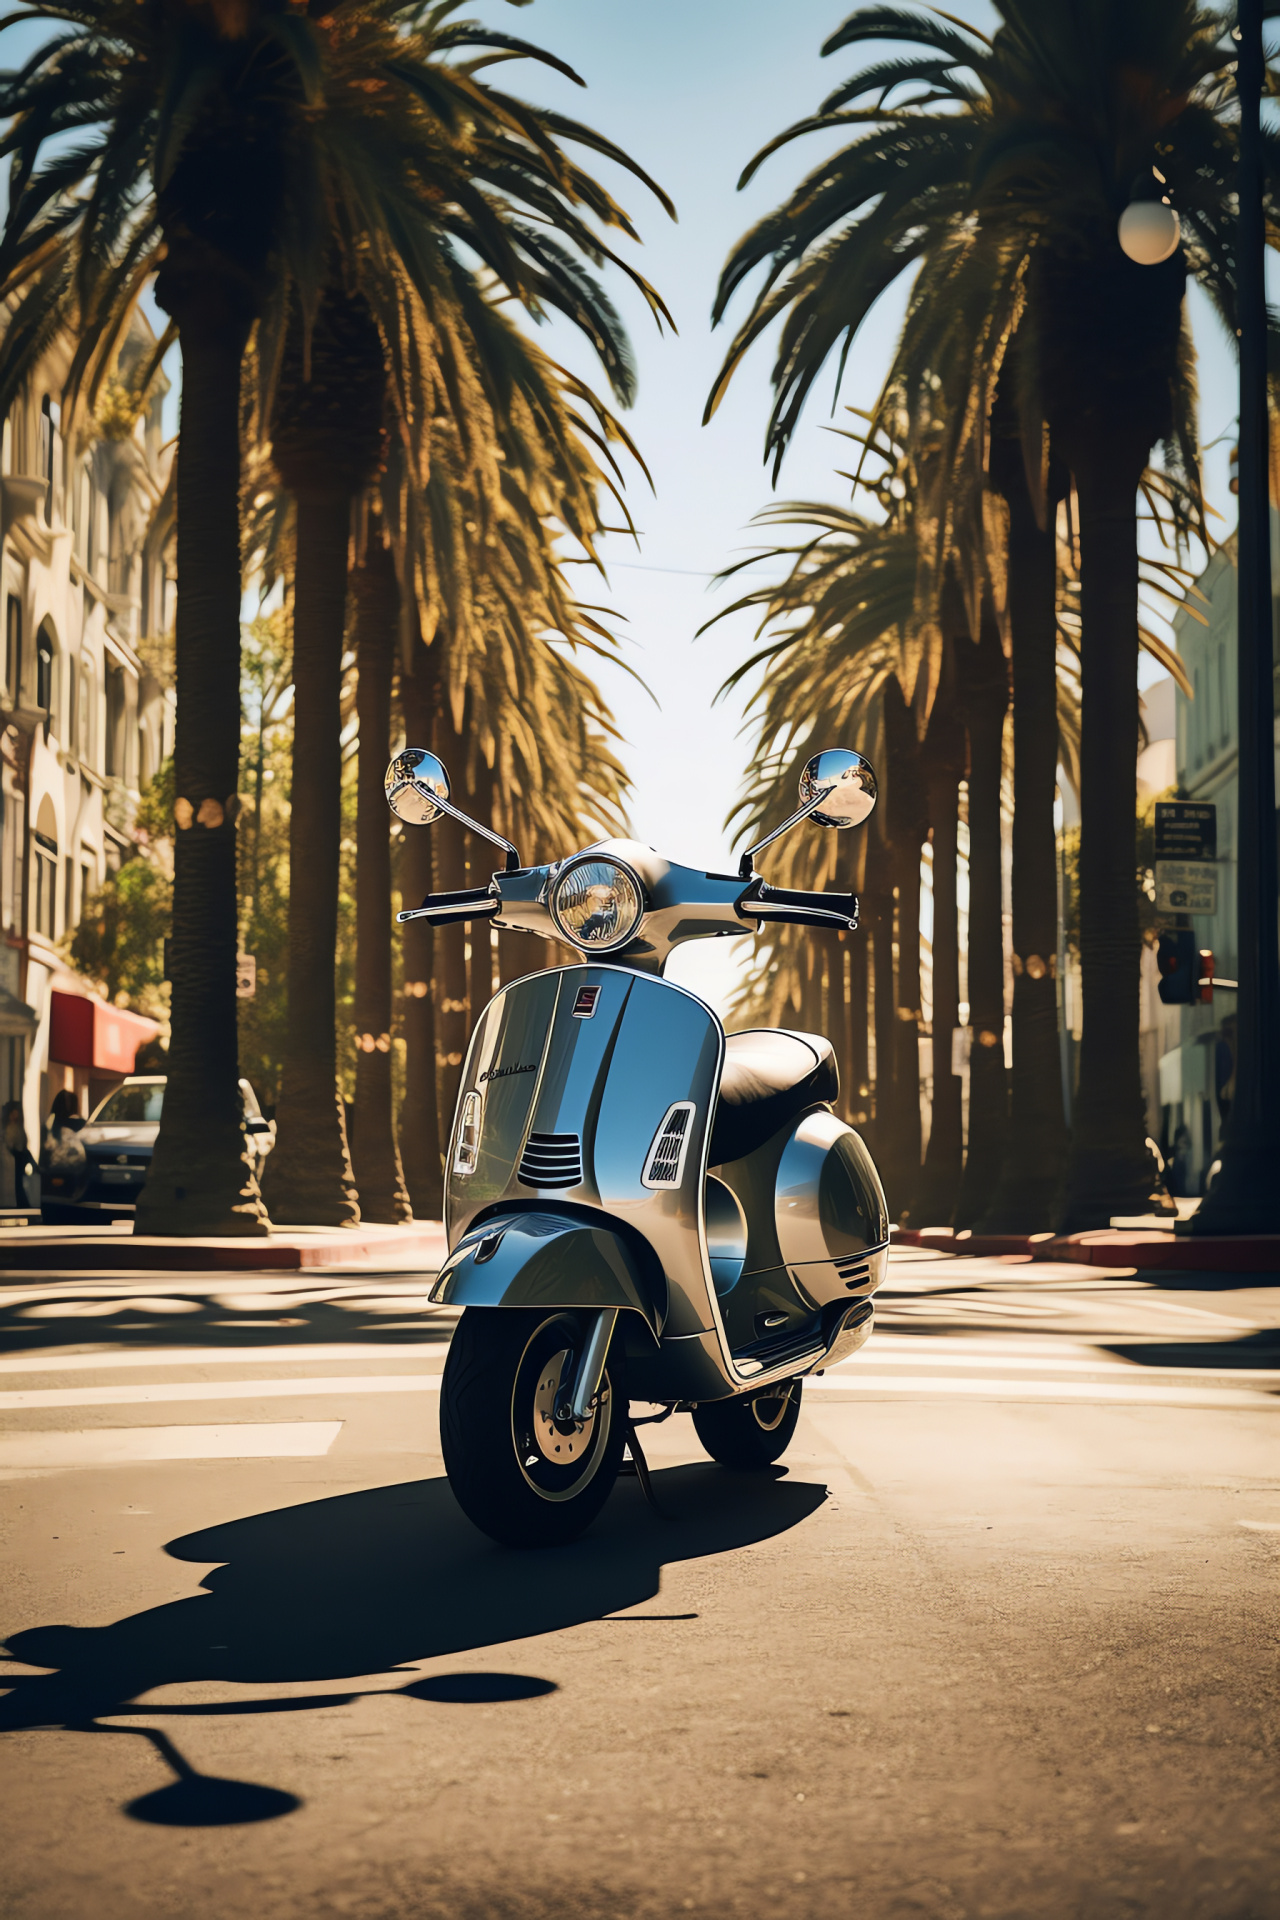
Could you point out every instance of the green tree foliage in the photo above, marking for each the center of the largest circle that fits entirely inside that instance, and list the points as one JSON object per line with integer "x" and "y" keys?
{"x": 119, "y": 942}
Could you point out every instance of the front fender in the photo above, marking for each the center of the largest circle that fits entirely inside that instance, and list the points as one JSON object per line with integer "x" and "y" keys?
{"x": 545, "y": 1259}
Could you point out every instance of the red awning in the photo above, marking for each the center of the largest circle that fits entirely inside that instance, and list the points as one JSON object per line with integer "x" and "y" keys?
{"x": 86, "y": 1033}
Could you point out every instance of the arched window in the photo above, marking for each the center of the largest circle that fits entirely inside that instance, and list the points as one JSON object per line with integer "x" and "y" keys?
{"x": 46, "y": 654}
{"x": 44, "y": 861}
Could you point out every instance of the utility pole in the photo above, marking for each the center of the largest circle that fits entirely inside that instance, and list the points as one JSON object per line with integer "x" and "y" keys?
{"x": 1246, "y": 1195}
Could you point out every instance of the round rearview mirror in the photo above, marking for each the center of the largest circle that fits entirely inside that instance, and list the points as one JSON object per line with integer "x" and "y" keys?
{"x": 844, "y": 785}
{"x": 415, "y": 781}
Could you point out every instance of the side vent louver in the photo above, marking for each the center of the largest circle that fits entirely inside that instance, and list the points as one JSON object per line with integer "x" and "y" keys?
{"x": 552, "y": 1160}
{"x": 854, "y": 1276}
{"x": 664, "y": 1166}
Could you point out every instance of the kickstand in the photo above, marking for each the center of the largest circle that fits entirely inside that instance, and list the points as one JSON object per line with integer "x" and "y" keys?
{"x": 640, "y": 1467}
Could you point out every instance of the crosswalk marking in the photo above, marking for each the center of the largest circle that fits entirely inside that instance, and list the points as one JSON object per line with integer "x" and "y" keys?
{"x": 317, "y": 1388}
{"x": 1136, "y": 1392}
{"x": 276, "y": 1356}
{"x": 22, "y": 1453}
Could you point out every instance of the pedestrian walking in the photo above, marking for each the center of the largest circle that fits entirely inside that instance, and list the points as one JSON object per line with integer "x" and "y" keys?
{"x": 15, "y": 1145}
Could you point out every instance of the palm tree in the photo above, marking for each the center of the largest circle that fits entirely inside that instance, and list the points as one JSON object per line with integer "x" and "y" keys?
{"x": 231, "y": 152}
{"x": 1033, "y": 141}
{"x": 374, "y": 1150}
{"x": 327, "y": 442}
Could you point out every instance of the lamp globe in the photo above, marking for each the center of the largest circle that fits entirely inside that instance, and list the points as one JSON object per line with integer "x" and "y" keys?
{"x": 1149, "y": 231}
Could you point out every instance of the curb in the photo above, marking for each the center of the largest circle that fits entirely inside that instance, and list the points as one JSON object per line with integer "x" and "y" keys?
{"x": 1108, "y": 1247}
{"x": 61, "y": 1251}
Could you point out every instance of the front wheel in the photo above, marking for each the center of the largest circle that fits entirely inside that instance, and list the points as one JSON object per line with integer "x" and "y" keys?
{"x": 524, "y": 1477}
{"x": 750, "y": 1433}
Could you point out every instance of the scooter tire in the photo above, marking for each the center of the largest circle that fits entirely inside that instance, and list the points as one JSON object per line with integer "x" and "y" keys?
{"x": 502, "y": 1474}
{"x": 749, "y": 1433}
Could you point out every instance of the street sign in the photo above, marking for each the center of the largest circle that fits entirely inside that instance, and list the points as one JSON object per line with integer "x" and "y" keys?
{"x": 246, "y": 976}
{"x": 1186, "y": 830}
{"x": 1186, "y": 886}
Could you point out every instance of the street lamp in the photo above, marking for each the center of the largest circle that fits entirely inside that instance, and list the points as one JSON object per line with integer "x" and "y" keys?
{"x": 1149, "y": 230}
{"x": 1245, "y": 1197}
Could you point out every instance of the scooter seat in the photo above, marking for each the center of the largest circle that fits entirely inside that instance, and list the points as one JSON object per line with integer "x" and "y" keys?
{"x": 769, "y": 1077}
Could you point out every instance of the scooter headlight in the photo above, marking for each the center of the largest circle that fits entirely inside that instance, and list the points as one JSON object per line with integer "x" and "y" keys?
{"x": 597, "y": 904}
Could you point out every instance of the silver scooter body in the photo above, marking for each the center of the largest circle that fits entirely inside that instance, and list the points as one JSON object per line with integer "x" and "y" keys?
{"x": 577, "y": 1171}
{"x": 588, "y": 1094}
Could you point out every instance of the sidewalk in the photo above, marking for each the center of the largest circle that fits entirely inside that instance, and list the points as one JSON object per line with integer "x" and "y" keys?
{"x": 418, "y": 1247}
{"x": 1147, "y": 1248}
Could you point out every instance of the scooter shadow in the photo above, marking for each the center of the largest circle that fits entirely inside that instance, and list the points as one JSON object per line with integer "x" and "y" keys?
{"x": 365, "y": 1583}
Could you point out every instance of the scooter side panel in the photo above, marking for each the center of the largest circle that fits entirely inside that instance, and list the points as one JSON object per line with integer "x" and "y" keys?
{"x": 606, "y": 1079}
{"x": 669, "y": 1049}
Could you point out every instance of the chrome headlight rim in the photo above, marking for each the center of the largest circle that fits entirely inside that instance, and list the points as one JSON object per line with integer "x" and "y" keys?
{"x": 571, "y": 867}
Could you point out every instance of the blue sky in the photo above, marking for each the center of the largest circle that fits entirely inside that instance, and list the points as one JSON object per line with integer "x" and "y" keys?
{"x": 692, "y": 88}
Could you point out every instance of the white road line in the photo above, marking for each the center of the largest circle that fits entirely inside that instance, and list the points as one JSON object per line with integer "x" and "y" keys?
{"x": 317, "y": 1389}
{"x": 112, "y": 1446}
{"x": 1135, "y": 1392}
{"x": 276, "y": 1356}
{"x": 875, "y": 1355}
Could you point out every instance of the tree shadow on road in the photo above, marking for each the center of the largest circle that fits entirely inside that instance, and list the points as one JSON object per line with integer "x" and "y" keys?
{"x": 364, "y": 1583}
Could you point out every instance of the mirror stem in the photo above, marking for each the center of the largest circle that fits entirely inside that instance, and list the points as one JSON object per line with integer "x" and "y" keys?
{"x": 473, "y": 826}
{"x": 746, "y": 866}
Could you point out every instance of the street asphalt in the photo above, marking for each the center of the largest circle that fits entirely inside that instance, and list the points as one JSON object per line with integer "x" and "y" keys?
{"x": 999, "y": 1638}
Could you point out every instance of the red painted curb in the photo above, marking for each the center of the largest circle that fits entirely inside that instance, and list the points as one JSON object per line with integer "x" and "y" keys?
{"x": 1109, "y": 1247}
{"x": 121, "y": 1252}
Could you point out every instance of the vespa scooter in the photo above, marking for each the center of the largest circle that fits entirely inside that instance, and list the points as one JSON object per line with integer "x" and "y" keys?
{"x": 637, "y": 1204}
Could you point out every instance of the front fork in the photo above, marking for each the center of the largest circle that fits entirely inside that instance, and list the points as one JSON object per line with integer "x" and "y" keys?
{"x": 580, "y": 1393}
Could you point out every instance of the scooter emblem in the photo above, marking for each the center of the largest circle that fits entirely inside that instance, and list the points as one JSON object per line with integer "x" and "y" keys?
{"x": 585, "y": 1004}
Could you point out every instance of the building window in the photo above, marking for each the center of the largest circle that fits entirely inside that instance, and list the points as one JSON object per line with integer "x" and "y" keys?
{"x": 13, "y": 649}
{"x": 46, "y": 455}
{"x": 44, "y": 678}
{"x": 45, "y": 861}
{"x": 115, "y": 755}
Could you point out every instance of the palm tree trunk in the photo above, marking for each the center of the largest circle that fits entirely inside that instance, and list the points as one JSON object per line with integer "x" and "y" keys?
{"x": 308, "y": 1177}
{"x": 858, "y": 1020}
{"x": 984, "y": 689}
{"x": 481, "y": 858}
{"x": 879, "y": 904}
{"x": 201, "y": 1179}
{"x": 1028, "y": 1197}
{"x": 374, "y": 1154}
{"x": 1109, "y": 1170}
{"x": 944, "y": 1157}
{"x": 420, "y": 1114}
{"x": 837, "y": 1028}
{"x": 449, "y": 983}
{"x": 908, "y": 825}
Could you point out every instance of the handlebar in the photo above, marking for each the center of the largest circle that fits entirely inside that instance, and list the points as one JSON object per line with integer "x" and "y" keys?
{"x": 694, "y": 903}
{"x": 789, "y": 907}
{"x": 447, "y": 909}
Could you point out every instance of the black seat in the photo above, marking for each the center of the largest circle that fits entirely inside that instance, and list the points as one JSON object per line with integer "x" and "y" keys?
{"x": 769, "y": 1077}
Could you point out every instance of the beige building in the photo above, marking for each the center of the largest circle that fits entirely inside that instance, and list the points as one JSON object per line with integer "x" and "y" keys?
{"x": 83, "y": 722}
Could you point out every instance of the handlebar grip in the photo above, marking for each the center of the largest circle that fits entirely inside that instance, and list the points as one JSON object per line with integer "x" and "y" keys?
{"x": 791, "y": 907}
{"x": 447, "y": 909}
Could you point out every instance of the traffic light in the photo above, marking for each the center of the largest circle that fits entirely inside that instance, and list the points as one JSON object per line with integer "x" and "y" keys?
{"x": 1186, "y": 973}
{"x": 1178, "y": 965}
{"x": 1204, "y": 980}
